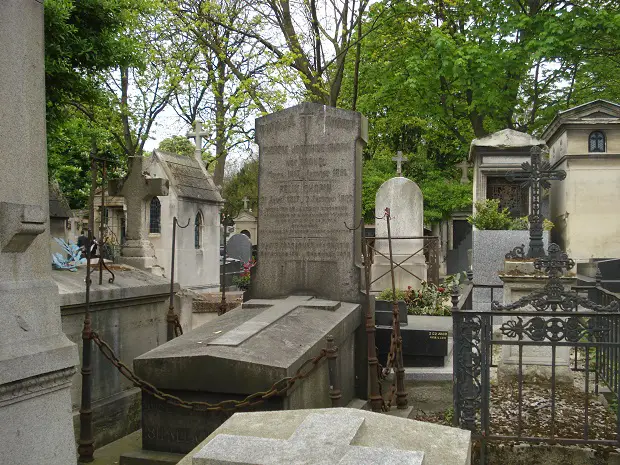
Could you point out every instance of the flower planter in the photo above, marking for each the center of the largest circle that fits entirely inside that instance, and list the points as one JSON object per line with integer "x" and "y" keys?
{"x": 383, "y": 312}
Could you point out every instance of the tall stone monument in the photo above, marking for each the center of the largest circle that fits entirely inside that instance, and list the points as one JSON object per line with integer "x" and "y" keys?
{"x": 404, "y": 199}
{"x": 138, "y": 190}
{"x": 36, "y": 358}
{"x": 309, "y": 187}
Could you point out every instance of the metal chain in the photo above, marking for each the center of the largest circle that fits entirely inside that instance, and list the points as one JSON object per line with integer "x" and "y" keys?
{"x": 277, "y": 389}
{"x": 178, "y": 330}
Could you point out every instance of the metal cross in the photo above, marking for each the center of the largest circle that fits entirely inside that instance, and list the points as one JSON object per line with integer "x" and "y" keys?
{"x": 197, "y": 135}
{"x": 464, "y": 174}
{"x": 555, "y": 263}
{"x": 245, "y": 202}
{"x": 399, "y": 159}
{"x": 536, "y": 175}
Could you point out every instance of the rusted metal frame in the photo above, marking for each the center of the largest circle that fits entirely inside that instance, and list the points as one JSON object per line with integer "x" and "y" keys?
{"x": 376, "y": 398}
{"x": 401, "y": 394}
{"x": 171, "y": 317}
{"x": 397, "y": 265}
{"x": 456, "y": 331}
{"x": 102, "y": 264}
{"x": 335, "y": 392}
{"x": 227, "y": 220}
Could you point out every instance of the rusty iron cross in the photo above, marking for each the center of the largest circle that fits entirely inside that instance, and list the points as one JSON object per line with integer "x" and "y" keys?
{"x": 536, "y": 174}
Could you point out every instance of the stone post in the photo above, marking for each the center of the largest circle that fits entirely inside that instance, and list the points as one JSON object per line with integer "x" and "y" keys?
{"x": 37, "y": 360}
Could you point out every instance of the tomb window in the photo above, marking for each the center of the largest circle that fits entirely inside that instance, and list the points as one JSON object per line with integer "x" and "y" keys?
{"x": 247, "y": 233}
{"x": 198, "y": 231}
{"x": 155, "y": 216}
{"x": 511, "y": 195}
{"x": 596, "y": 142}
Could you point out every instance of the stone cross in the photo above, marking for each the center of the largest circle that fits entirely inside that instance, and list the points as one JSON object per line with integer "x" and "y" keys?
{"x": 399, "y": 159}
{"x": 536, "y": 174}
{"x": 320, "y": 439}
{"x": 245, "y": 202}
{"x": 197, "y": 134}
{"x": 138, "y": 190}
{"x": 464, "y": 174}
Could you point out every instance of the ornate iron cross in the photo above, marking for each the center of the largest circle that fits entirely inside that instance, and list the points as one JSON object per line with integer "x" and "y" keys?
{"x": 554, "y": 265}
{"x": 536, "y": 174}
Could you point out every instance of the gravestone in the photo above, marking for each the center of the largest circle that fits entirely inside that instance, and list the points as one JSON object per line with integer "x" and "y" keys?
{"x": 37, "y": 360}
{"x": 241, "y": 353}
{"x": 404, "y": 199}
{"x": 309, "y": 187}
{"x": 239, "y": 247}
{"x": 340, "y": 436}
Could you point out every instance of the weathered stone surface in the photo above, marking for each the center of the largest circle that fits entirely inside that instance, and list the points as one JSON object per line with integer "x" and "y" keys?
{"x": 229, "y": 359}
{"x": 239, "y": 246}
{"x": 320, "y": 439}
{"x": 404, "y": 199}
{"x": 309, "y": 187}
{"x": 36, "y": 358}
{"x": 359, "y": 434}
{"x": 130, "y": 315}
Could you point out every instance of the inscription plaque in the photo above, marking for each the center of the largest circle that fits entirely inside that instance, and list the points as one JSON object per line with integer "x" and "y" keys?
{"x": 309, "y": 188}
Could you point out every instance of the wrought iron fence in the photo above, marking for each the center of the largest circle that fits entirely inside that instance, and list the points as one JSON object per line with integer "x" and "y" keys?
{"x": 553, "y": 322}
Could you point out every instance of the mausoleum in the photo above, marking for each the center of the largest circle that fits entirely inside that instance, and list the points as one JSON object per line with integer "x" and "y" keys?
{"x": 584, "y": 141}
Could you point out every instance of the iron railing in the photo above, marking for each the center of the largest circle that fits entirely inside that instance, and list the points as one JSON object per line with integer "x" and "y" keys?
{"x": 552, "y": 320}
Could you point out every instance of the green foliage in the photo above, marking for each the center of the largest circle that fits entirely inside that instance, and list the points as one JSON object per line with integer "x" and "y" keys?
{"x": 242, "y": 184}
{"x": 387, "y": 294}
{"x": 442, "y": 190}
{"x": 178, "y": 144}
{"x": 523, "y": 223}
{"x": 489, "y": 216}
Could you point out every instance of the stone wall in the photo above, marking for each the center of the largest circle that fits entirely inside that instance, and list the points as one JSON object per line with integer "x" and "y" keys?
{"x": 130, "y": 315}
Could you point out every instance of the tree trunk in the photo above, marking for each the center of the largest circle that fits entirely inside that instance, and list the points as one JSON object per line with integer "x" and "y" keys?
{"x": 220, "y": 124}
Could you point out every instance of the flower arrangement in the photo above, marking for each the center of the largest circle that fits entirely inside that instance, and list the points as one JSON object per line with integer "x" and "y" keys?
{"x": 243, "y": 280}
{"x": 429, "y": 300}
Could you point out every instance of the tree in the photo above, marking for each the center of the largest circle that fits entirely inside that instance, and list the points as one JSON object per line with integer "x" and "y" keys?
{"x": 242, "y": 184}
{"x": 179, "y": 145}
{"x": 308, "y": 45}
{"x": 228, "y": 83}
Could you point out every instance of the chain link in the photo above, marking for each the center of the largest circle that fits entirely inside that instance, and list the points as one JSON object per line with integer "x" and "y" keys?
{"x": 279, "y": 388}
{"x": 178, "y": 330}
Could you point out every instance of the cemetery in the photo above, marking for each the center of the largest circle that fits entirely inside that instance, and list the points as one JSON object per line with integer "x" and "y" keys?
{"x": 321, "y": 266}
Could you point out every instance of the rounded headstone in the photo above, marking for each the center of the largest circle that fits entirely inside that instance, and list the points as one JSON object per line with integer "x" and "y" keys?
{"x": 239, "y": 246}
{"x": 404, "y": 199}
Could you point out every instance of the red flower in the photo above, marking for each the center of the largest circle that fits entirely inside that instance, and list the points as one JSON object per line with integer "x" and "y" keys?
{"x": 441, "y": 289}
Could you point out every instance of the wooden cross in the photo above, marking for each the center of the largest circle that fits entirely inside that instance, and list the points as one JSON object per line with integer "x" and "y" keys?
{"x": 464, "y": 174}
{"x": 197, "y": 135}
{"x": 245, "y": 202}
{"x": 399, "y": 159}
{"x": 536, "y": 174}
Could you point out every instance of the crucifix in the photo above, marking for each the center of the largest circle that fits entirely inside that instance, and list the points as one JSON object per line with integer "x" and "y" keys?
{"x": 245, "y": 202}
{"x": 536, "y": 174}
{"x": 464, "y": 174}
{"x": 399, "y": 159}
{"x": 197, "y": 134}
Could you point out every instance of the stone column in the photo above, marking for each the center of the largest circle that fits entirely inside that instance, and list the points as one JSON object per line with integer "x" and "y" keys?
{"x": 520, "y": 279}
{"x": 37, "y": 360}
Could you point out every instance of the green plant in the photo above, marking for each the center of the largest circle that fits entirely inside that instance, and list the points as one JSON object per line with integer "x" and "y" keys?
{"x": 243, "y": 280}
{"x": 523, "y": 223}
{"x": 386, "y": 294}
{"x": 489, "y": 216}
{"x": 448, "y": 415}
{"x": 428, "y": 300}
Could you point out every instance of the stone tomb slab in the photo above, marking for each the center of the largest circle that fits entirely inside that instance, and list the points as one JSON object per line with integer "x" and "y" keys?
{"x": 340, "y": 436}
{"x": 240, "y": 353}
{"x": 320, "y": 439}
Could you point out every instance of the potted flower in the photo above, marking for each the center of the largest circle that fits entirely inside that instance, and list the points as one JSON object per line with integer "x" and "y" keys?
{"x": 243, "y": 280}
{"x": 383, "y": 307}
